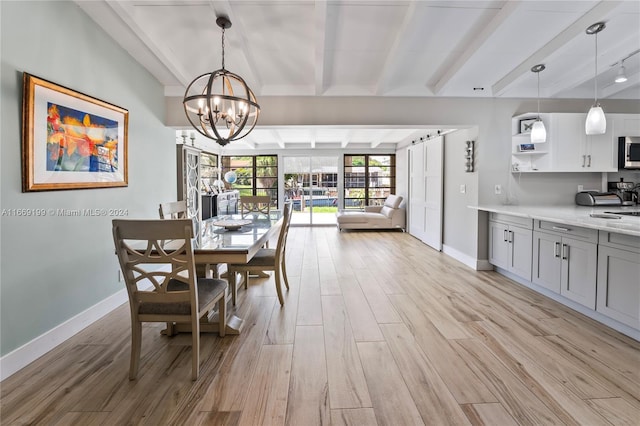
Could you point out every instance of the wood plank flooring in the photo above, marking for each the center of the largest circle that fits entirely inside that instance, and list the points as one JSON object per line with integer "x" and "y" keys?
{"x": 377, "y": 329}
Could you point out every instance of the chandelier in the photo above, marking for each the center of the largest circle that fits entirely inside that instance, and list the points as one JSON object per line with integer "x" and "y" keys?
{"x": 220, "y": 105}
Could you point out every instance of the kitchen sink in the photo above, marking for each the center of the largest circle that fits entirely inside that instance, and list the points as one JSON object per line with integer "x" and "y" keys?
{"x": 629, "y": 213}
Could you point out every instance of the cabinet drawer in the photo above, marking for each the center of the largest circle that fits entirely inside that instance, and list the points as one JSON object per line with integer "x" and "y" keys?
{"x": 585, "y": 234}
{"x": 510, "y": 219}
{"x": 621, "y": 241}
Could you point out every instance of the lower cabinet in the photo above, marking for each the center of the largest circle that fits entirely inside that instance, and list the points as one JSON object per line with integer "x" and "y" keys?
{"x": 619, "y": 278}
{"x": 566, "y": 266}
{"x": 600, "y": 270}
{"x": 510, "y": 244}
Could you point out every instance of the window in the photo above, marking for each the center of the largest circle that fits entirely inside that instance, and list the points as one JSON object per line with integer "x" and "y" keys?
{"x": 257, "y": 175}
{"x": 368, "y": 179}
{"x": 208, "y": 171}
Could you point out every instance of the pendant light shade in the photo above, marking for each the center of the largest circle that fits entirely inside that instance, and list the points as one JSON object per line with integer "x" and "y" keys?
{"x": 538, "y": 132}
{"x": 596, "y": 123}
{"x": 621, "y": 77}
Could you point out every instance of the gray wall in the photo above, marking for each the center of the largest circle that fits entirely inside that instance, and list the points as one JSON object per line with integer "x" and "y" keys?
{"x": 53, "y": 268}
{"x": 456, "y": 210}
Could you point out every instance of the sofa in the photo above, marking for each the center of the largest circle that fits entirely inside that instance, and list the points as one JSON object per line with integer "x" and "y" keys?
{"x": 388, "y": 216}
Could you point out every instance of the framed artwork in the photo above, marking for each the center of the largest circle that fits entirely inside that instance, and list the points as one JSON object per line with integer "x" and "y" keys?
{"x": 526, "y": 124}
{"x": 71, "y": 140}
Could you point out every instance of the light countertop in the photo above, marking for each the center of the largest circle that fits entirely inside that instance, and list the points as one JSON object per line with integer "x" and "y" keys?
{"x": 574, "y": 215}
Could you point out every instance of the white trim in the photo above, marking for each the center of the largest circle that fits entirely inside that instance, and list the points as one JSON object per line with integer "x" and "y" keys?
{"x": 471, "y": 262}
{"x": 30, "y": 351}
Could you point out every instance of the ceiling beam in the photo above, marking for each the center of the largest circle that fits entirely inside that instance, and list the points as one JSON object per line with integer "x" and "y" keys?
{"x": 276, "y": 136}
{"x": 391, "y": 61}
{"x": 125, "y": 11}
{"x": 346, "y": 140}
{"x": 224, "y": 8}
{"x": 312, "y": 138}
{"x": 320, "y": 32}
{"x": 581, "y": 74}
{"x": 597, "y": 13}
{"x": 474, "y": 46}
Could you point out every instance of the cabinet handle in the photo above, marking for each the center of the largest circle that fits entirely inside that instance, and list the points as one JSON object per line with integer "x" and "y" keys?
{"x": 589, "y": 160}
{"x": 565, "y": 252}
{"x": 584, "y": 159}
{"x": 556, "y": 249}
{"x": 505, "y": 236}
{"x": 560, "y": 228}
{"x": 511, "y": 237}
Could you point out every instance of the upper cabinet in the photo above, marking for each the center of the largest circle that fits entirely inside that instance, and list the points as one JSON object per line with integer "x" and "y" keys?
{"x": 568, "y": 148}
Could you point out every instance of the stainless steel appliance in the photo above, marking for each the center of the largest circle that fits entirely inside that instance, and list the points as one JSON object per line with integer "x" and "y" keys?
{"x": 595, "y": 198}
{"x": 626, "y": 190}
{"x": 629, "y": 152}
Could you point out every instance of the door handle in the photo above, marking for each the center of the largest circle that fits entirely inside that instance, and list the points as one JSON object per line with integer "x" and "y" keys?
{"x": 589, "y": 160}
{"x": 556, "y": 249}
{"x": 565, "y": 252}
{"x": 584, "y": 160}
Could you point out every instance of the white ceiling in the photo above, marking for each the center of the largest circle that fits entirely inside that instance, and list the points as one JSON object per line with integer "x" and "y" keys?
{"x": 381, "y": 48}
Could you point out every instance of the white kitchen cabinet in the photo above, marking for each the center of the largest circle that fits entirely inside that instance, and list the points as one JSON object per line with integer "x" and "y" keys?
{"x": 573, "y": 150}
{"x": 568, "y": 148}
{"x": 618, "y": 294}
{"x": 510, "y": 241}
{"x": 564, "y": 261}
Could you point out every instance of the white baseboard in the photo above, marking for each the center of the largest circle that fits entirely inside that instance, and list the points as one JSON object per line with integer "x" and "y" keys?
{"x": 30, "y": 351}
{"x": 471, "y": 262}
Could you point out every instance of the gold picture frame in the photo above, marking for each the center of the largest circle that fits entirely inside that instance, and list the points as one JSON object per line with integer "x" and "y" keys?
{"x": 71, "y": 140}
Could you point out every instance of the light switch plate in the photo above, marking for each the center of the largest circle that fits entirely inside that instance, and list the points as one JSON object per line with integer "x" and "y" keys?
{"x": 497, "y": 189}
{"x": 463, "y": 189}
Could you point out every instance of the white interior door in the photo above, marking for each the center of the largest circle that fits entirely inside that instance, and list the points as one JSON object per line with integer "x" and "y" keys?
{"x": 425, "y": 191}
{"x": 416, "y": 192}
{"x": 433, "y": 192}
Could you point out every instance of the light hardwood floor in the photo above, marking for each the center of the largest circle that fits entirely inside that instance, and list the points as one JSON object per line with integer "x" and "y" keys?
{"x": 376, "y": 329}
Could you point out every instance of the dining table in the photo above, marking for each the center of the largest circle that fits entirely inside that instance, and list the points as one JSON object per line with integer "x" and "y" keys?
{"x": 228, "y": 239}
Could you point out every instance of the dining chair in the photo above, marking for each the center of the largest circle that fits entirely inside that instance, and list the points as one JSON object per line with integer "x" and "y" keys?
{"x": 173, "y": 210}
{"x": 161, "y": 281}
{"x": 260, "y": 204}
{"x": 266, "y": 259}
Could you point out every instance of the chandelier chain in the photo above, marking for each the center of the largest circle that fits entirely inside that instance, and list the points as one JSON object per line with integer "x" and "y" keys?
{"x": 223, "y": 48}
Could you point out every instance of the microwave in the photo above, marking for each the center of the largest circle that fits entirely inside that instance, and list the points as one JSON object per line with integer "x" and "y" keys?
{"x": 629, "y": 152}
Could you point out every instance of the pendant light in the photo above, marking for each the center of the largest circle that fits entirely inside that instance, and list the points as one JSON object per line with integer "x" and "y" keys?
{"x": 596, "y": 123}
{"x": 538, "y": 132}
{"x": 220, "y": 105}
{"x": 621, "y": 77}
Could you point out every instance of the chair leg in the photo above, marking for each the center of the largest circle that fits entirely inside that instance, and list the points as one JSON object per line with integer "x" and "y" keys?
{"x": 232, "y": 278}
{"x": 195, "y": 347}
{"x": 246, "y": 280}
{"x": 284, "y": 273}
{"x": 278, "y": 286}
{"x": 222, "y": 314}
{"x": 136, "y": 343}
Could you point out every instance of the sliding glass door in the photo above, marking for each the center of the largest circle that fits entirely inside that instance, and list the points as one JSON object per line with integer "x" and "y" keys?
{"x": 311, "y": 184}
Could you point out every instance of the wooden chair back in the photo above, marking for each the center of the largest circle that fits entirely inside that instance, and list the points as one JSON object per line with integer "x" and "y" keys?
{"x": 173, "y": 210}
{"x": 161, "y": 280}
{"x": 255, "y": 204}
{"x": 284, "y": 232}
